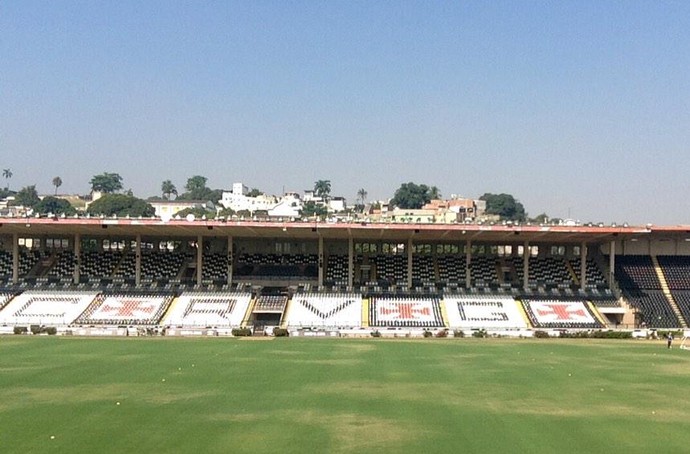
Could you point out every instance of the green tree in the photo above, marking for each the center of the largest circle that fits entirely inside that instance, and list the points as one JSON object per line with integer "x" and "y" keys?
{"x": 310, "y": 209}
{"x": 505, "y": 206}
{"x": 412, "y": 196}
{"x": 168, "y": 189}
{"x": 107, "y": 183}
{"x": 54, "y": 205}
{"x": 121, "y": 205}
{"x": 57, "y": 182}
{"x": 542, "y": 218}
{"x": 322, "y": 188}
{"x": 226, "y": 212}
{"x": 27, "y": 197}
{"x": 197, "y": 211}
{"x": 362, "y": 196}
{"x": 196, "y": 189}
{"x": 254, "y": 193}
{"x": 7, "y": 174}
{"x": 196, "y": 183}
{"x": 434, "y": 193}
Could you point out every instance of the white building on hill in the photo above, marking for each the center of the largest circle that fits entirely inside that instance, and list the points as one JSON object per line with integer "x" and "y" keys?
{"x": 289, "y": 205}
{"x": 238, "y": 200}
{"x": 335, "y": 204}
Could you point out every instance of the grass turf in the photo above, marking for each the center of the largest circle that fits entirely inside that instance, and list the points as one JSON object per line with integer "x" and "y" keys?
{"x": 309, "y": 395}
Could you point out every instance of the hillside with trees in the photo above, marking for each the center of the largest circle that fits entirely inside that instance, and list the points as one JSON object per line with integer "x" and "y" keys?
{"x": 505, "y": 206}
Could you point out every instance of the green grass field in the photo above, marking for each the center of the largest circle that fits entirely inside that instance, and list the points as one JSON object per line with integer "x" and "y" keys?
{"x": 312, "y": 395}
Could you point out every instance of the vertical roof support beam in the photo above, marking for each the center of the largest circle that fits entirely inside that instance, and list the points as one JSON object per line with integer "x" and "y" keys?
{"x": 137, "y": 262}
{"x": 583, "y": 266}
{"x": 410, "y": 245}
{"x": 468, "y": 262}
{"x": 612, "y": 263}
{"x": 15, "y": 258}
{"x": 77, "y": 258}
{"x": 350, "y": 261}
{"x": 199, "y": 261}
{"x": 230, "y": 260}
{"x": 321, "y": 261}
{"x": 526, "y": 253}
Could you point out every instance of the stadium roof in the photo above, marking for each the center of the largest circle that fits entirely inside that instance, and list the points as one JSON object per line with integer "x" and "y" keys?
{"x": 158, "y": 228}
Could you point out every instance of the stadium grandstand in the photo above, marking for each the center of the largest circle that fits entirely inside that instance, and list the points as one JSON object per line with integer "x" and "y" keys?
{"x": 87, "y": 274}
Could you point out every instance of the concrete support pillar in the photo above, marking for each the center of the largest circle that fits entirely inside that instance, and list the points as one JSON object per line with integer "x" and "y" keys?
{"x": 612, "y": 263}
{"x": 468, "y": 263}
{"x": 15, "y": 258}
{"x": 77, "y": 258}
{"x": 410, "y": 246}
{"x": 526, "y": 253}
{"x": 231, "y": 259}
{"x": 583, "y": 266}
{"x": 137, "y": 261}
{"x": 350, "y": 261}
{"x": 322, "y": 263}
{"x": 199, "y": 257}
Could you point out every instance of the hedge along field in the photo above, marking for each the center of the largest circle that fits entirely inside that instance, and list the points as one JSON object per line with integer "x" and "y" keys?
{"x": 338, "y": 395}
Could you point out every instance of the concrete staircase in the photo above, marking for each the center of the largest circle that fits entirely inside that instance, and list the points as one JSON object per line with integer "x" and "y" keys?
{"x": 667, "y": 292}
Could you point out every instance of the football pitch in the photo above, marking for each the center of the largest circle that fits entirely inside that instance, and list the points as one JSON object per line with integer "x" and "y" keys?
{"x": 80, "y": 395}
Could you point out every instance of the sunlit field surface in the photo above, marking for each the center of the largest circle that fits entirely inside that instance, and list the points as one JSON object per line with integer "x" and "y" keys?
{"x": 121, "y": 395}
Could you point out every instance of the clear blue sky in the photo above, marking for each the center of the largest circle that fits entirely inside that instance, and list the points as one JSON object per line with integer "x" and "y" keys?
{"x": 579, "y": 107}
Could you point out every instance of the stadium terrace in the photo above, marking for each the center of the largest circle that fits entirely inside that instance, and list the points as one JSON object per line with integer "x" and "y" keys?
{"x": 118, "y": 276}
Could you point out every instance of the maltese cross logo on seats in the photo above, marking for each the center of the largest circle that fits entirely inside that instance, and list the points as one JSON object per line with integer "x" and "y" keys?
{"x": 562, "y": 312}
{"x": 405, "y": 311}
{"x": 129, "y": 308}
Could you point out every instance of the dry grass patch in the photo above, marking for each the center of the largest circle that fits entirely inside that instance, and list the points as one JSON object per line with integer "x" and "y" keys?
{"x": 358, "y": 433}
{"x": 354, "y": 345}
{"x": 329, "y": 362}
{"x": 150, "y": 393}
{"x": 412, "y": 392}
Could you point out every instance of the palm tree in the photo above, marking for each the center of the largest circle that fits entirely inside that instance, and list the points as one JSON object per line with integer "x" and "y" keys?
{"x": 362, "y": 196}
{"x": 7, "y": 174}
{"x": 322, "y": 188}
{"x": 168, "y": 188}
{"x": 434, "y": 193}
{"x": 57, "y": 182}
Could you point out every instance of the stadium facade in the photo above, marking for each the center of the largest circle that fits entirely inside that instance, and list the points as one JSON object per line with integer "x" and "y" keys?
{"x": 341, "y": 277}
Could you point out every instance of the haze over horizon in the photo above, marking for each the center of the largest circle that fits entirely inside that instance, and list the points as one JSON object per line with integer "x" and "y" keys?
{"x": 578, "y": 109}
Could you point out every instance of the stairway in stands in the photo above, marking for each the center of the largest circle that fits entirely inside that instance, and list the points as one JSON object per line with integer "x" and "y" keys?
{"x": 667, "y": 292}
{"x": 574, "y": 275}
{"x": 43, "y": 265}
